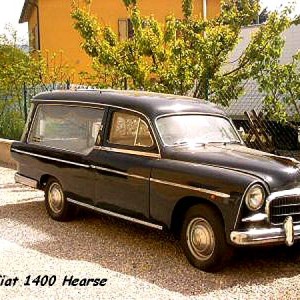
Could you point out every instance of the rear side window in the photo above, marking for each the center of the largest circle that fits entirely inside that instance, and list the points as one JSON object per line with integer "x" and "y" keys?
{"x": 66, "y": 127}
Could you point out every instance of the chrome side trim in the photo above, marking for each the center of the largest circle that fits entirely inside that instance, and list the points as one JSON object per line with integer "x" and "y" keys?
{"x": 62, "y": 149}
{"x": 82, "y": 165}
{"x": 119, "y": 172}
{"x": 255, "y": 218}
{"x": 50, "y": 158}
{"x": 260, "y": 236}
{"x": 26, "y": 181}
{"x": 188, "y": 187}
{"x": 113, "y": 214}
{"x": 126, "y": 151}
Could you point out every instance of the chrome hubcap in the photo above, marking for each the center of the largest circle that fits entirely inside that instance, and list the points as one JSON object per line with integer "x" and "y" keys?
{"x": 56, "y": 198}
{"x": 200, "y": 238}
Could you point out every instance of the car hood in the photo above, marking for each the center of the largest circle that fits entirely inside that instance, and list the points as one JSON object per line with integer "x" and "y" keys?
{"x": 277, "y": 171}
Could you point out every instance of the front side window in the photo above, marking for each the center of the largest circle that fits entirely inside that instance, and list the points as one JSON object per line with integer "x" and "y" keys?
{"x": 66, "y": 127}
{"x": 129, "y": 130}
{"x": 196, "y": 129}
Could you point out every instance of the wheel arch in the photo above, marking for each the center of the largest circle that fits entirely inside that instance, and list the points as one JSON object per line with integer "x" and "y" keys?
{"x": 44, "y": 179}
{"x": 181, "y": 208}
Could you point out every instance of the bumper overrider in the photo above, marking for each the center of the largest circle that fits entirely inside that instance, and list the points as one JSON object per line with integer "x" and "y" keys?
{"x": 286, "y": 232}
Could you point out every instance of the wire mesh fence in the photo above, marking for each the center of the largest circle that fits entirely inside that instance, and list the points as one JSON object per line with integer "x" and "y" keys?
{"x": 270, "y": 136}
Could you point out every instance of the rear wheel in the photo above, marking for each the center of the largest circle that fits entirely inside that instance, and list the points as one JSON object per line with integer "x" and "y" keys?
{"x": 203, "y": 238}
{"x": 56, "y": 204}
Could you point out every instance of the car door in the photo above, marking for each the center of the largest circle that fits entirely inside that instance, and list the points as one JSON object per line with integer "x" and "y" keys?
{"x": 123, "y": 163}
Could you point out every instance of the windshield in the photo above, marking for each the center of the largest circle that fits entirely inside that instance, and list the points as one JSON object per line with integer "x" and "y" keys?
{"x": 196, "y": 129}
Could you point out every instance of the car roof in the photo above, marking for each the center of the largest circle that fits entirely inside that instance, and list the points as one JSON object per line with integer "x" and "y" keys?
{"x": 151, "y": 104}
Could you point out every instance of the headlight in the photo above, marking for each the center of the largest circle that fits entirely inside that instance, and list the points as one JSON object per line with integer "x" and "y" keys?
{"x": 255, "y": 197}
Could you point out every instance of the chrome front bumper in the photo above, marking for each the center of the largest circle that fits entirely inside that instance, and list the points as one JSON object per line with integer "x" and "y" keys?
{"x": 259, "y": 236}
{"x": 268, "y": 233}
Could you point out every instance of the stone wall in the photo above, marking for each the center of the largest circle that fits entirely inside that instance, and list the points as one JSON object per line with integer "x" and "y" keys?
{"x": 5, "y": 157}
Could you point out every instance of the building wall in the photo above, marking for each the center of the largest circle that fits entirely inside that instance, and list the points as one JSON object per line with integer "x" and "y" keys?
{"x": 56, "y": 25}
{"x": 32, "y": 28}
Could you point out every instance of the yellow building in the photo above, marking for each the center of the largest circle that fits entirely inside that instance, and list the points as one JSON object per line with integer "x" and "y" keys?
{"x": 51, "y": 26}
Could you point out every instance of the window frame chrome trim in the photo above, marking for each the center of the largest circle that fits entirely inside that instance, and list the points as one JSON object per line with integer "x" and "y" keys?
{"x": 140, "y": 119}
{"x": 55, "y": 148}
{"x": 188, "y": 187}
{"x": 94, "y": 104}
{"x": 195, "y": 113}
{"x": 128, "y": 151}
{"x": 117, "y": 215}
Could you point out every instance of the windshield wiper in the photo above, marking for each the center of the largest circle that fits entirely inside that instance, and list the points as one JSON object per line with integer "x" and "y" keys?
{"x": 232, "y": 143}
{"x": 180, "y": 143}
{"x": 225, "y": 143}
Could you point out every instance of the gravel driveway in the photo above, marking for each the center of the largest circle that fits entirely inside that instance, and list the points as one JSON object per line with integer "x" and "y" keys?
{"x": 138, "y": 262}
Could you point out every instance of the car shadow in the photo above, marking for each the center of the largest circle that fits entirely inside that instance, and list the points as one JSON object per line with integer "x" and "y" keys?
{"x": 139, "y": 251}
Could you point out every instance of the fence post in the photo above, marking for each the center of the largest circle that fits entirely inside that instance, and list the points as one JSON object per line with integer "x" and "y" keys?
{"x": 25, "y": 101}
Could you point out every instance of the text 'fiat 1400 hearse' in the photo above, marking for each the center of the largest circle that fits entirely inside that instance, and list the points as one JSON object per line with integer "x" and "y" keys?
{"x": 163, "y": 161}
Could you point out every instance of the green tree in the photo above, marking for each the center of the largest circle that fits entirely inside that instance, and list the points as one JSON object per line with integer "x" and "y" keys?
{"x": 20, "y": 72}
{"x": 281, "y": 84}
{"x": 13, "y": 65}
{"x": 260, "y": 17}
{"x": 190, "y": 56}
{"x": 182, "y": 56}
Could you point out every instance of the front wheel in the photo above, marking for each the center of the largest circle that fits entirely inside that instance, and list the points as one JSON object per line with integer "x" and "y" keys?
{"x": 56, "y": 204}
{"x": 203, "y": 238}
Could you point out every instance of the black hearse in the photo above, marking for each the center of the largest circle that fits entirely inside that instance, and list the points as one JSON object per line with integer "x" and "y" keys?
{"x": 159, "y": 160}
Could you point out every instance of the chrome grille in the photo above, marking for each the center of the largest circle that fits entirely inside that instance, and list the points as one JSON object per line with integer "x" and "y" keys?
{"x": 282, "y": 207}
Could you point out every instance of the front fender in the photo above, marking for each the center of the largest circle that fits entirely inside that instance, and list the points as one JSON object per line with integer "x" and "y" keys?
{"x": 171, "y": 181}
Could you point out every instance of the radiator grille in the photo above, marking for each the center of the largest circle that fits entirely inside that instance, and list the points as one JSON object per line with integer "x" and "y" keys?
{"x": 282, "y": 207}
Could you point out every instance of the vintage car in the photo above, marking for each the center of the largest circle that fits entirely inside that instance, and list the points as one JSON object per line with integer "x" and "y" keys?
{"x": 162, "y": 161}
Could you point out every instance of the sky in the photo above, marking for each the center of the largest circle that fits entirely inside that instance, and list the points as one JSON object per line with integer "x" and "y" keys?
{"x": 275, "y": 4}
{"x": 10, "y": 12}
